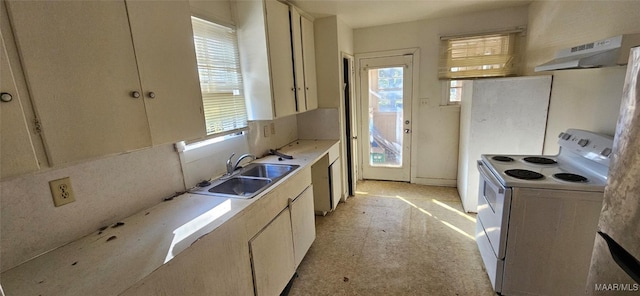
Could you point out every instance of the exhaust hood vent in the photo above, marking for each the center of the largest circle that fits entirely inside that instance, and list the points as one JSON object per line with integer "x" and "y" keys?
{"x": 612, "y": 51}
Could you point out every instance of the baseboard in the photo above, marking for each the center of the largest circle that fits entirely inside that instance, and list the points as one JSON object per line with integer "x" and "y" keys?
{"x": 435, "y": 182}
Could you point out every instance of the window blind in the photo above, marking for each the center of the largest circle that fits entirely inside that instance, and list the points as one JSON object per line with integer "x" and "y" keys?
{"x": 220, "y": 77}
{"x": 479, "y": 56}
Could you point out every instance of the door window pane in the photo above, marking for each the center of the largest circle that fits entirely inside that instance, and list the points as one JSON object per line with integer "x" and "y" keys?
{"x": 385, "y": 117}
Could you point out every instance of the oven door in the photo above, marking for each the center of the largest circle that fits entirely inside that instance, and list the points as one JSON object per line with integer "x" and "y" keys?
{"x": 494, "y": 203}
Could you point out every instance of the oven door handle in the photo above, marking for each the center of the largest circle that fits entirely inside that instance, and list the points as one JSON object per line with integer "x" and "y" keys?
{"x": 486, "y": 174}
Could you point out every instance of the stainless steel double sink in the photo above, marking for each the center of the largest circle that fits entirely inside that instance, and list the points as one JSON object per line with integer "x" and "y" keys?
{"x": 248, "y": 181}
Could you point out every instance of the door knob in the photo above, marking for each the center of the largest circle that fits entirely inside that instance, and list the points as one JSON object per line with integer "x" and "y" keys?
{"x": 407, "y": 131}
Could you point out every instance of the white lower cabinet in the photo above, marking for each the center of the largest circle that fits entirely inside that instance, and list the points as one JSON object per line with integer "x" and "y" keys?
{"x": 217, "y": 264}
{"x": 277, "y": 250}
{"x": 327, "y": 180}
{"x": 303, "y": 224}
{"x": 335, "y": 181}
{"x": 272, "y": 256}
{"x": 255, "y": 253}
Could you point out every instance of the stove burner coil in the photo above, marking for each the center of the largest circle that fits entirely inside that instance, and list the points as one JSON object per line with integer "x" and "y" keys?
{"x": 569, "y": 177}
{"x": 524, "y": 174}
{"x": 539, "y": 160}
{"x": 502, "y": 158}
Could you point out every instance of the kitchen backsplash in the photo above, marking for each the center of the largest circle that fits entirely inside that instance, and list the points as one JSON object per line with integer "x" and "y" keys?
{"x": 321, "y": 124}
{"x": 106, "y": 190}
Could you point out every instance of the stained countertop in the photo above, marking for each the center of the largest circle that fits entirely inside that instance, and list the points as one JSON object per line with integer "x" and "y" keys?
{"x": 110, "y": 260}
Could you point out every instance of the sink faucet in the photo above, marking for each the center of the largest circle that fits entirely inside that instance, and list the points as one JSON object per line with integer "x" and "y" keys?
{"x": 234, "y": 167}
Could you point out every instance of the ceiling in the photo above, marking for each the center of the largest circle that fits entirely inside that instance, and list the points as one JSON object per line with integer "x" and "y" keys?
{"x": 368, "y": 13}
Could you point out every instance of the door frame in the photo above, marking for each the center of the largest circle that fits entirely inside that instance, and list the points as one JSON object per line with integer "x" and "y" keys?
{"x": 351, "y": 130}
{"x": 414, "y": 105}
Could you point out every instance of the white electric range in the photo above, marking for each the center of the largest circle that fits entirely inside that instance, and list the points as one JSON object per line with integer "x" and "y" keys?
{"x": 537, "y": 215}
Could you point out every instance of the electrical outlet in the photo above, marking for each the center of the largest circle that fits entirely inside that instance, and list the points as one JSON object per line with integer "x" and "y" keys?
{"x": 273, "y": 128}
{"x": 61, "y": 191}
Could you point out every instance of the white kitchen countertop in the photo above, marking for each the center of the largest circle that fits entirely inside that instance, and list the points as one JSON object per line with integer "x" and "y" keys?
{"x": 109, "y": 261}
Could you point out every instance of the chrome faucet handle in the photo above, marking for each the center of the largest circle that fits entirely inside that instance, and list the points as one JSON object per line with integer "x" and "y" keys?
{"x": 230, "y": 168}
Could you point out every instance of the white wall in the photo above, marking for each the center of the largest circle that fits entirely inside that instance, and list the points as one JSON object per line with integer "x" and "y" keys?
{"x": 436, "y": 129}
{"x": 332, "y": 38}
{"x": 218, "y": 10}
{"x": 585, "y": 99}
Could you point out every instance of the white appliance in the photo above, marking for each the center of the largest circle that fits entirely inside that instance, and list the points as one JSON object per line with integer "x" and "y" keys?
{"x": 537, "y": 215}
{"x": 615, "y": 265}
{"x": 613, "y": 51}
{"x": 502, "y": 115}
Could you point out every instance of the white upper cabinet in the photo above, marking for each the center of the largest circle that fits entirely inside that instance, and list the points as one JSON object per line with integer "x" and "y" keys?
{"x": 273, "y": 54}
{"x": 264, "y": 41}
{"x": 17, "y": 154}
{"x": 166, "y": 59}
{"x": 304, "y": 61}
{"x": 100, "y": 85}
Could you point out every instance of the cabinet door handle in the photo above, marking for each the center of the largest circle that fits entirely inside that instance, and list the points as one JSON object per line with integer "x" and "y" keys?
{"x": 135, "y": 94}
{"x": 6, "y": 97}
{"x": 151, "y": 95}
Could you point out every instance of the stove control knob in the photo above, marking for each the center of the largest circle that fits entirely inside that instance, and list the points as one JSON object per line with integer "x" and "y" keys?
{"x": 583, "y": 142}
{"x": 606, "y": 152}
{"x": 565, "y": 136}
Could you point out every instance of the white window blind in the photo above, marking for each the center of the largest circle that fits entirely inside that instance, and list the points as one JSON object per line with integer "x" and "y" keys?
{"x": 492, "y": 55}
{"x": 220, "y": 77}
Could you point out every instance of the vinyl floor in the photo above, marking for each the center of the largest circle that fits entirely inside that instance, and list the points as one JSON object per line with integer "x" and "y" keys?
{"x": 394, "y": 238}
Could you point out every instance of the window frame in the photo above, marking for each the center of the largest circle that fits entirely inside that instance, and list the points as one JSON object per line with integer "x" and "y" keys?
{"x": 237, "y": 93}
{"x": 446, "y": 92}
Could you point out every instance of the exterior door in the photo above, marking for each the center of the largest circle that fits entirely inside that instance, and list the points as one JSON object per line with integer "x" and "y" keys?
{"x": 385, "y": 94}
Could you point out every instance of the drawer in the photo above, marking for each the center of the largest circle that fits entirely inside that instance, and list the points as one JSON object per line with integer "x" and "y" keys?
{"x": 493, "y": 265}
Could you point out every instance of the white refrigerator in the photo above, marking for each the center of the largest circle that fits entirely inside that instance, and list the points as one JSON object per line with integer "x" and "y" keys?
{"x": 499, "y": 116}
{"x": 615, "y": 269}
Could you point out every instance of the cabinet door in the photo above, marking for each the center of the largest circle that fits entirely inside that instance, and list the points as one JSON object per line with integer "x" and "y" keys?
{"x": 217, "y": 264}
{"x": 17, "y": 154}
{"x": 298, "y": 60}
{"x": 272, "y": 256}
{"x": 303, "y": 223}
{"x": 336, "y": 183}
{"x": 321, "y": 187}
{"x": 166, "y": 59}
{"x": 80, "y": 66}
{"x": 280, "y": 58}
{"x": 309, "y": 58}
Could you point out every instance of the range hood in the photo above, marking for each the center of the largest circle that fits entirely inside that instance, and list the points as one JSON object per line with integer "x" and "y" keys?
{"x": 608, "y": 52}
